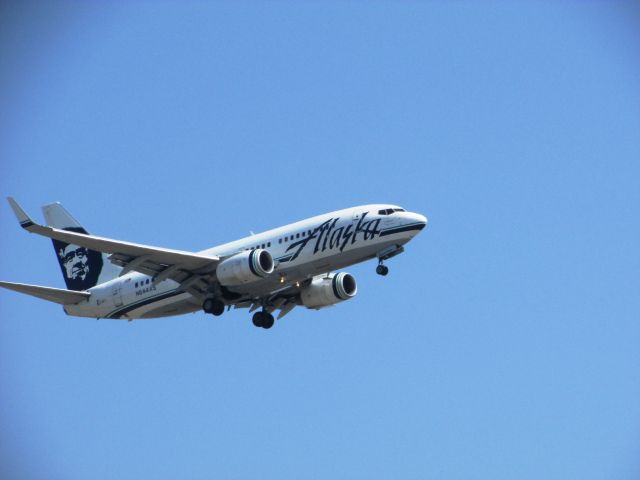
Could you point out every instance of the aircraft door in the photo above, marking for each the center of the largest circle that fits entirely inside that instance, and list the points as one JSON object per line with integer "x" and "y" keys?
{"x": 116, "y": 294}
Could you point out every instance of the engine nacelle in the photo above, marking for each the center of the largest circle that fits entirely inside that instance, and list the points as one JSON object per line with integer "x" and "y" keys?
{"x": 325, "y": 291}
{"x": 244, "y": 267}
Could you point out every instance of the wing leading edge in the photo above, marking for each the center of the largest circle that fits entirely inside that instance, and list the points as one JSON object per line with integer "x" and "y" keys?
{"x": 181, "y": 266}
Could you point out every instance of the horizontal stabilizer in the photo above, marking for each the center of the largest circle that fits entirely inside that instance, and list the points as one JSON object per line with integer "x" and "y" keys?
{"x": 57, "y": 295}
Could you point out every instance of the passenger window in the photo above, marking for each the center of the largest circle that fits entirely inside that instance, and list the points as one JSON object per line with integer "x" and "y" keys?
{"x": 279, "y": 240}
{"x": 297, "y": 235}
{"x": 136, "y": 284}
{"x": 147, "y": 281}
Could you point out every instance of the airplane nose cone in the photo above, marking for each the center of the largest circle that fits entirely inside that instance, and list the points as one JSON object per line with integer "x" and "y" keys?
{"x": 419, "y": 219}
{"x": 417, "y": 222}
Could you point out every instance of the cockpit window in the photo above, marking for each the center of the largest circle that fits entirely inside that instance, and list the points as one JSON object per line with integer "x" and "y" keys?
{"x": 389, "y": 211}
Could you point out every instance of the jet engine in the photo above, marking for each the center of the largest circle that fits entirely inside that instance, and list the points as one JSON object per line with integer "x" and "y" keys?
{"x": 329, "y": 290}
{"x": 244, "y": 267}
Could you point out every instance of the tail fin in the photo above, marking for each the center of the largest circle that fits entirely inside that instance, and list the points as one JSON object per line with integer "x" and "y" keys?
{"x": 81, "y": 268}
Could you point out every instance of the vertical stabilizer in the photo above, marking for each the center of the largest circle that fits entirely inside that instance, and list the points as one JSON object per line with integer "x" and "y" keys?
{"x": 81, "y": 268}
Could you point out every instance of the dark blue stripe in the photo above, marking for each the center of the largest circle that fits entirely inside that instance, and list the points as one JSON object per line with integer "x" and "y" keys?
{"x": 406, "y": 228}
{"x": 121, "y": 311}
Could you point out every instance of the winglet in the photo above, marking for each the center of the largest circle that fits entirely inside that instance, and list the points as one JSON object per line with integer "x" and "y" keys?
{"x": 23, "y": 218}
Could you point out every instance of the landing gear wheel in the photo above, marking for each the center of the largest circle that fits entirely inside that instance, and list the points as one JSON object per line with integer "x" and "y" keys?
{"x": 213, "y": 306}
{"x": 257, "y": 319}
{"x": 263, "y": 319}
{"x": 267, "y": 321}
{"x": 218, "y": 308}
{"x": 382, "y": 270}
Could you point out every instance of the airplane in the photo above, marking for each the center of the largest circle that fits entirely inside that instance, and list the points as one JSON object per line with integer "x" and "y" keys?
{"x": 289, "y": 266}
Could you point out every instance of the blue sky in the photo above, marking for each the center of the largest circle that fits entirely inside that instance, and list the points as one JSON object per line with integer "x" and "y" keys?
{"x": 504, "y": 342}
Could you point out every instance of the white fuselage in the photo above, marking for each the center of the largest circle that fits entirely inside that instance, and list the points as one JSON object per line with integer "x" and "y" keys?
{"x": 301, "y": 251}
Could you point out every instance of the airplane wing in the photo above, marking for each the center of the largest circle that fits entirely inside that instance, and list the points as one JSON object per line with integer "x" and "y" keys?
{"x": 186, "y": 268}
{"x": 57, "y": 295}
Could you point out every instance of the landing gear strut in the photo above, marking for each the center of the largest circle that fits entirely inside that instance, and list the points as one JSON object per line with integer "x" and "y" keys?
{"x": 382, "y": 269}
{"x": 213, "y": 306}
{"x": 263, "y": 319}
{"x": 386, "y": 254}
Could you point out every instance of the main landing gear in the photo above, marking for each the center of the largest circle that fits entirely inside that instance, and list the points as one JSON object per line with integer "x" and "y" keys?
{"x": 382, "y": 269}
{"x": 213, "y": 306}
{"x": 263, "y": 319}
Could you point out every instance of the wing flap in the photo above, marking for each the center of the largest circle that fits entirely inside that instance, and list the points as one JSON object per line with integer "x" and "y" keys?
{"x": 56, "y": 295}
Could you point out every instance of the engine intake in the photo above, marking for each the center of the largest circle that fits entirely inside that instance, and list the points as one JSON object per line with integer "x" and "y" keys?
{"x": 329, "y": 290}
{"x": 244, "y": 267}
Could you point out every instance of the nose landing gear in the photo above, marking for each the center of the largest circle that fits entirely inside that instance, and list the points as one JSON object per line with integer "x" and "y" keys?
{"x": 386, "y": 254}
{"x": 382, "y": 269}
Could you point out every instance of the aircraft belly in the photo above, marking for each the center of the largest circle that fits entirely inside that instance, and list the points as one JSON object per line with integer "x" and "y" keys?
{"x": 145, "y": 308}
{"x": 179, "y": 307}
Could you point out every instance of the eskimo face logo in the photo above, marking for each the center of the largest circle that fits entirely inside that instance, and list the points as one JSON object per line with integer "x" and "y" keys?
{"x": 80, "y": 266}
{"x": 75, "y": 261}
